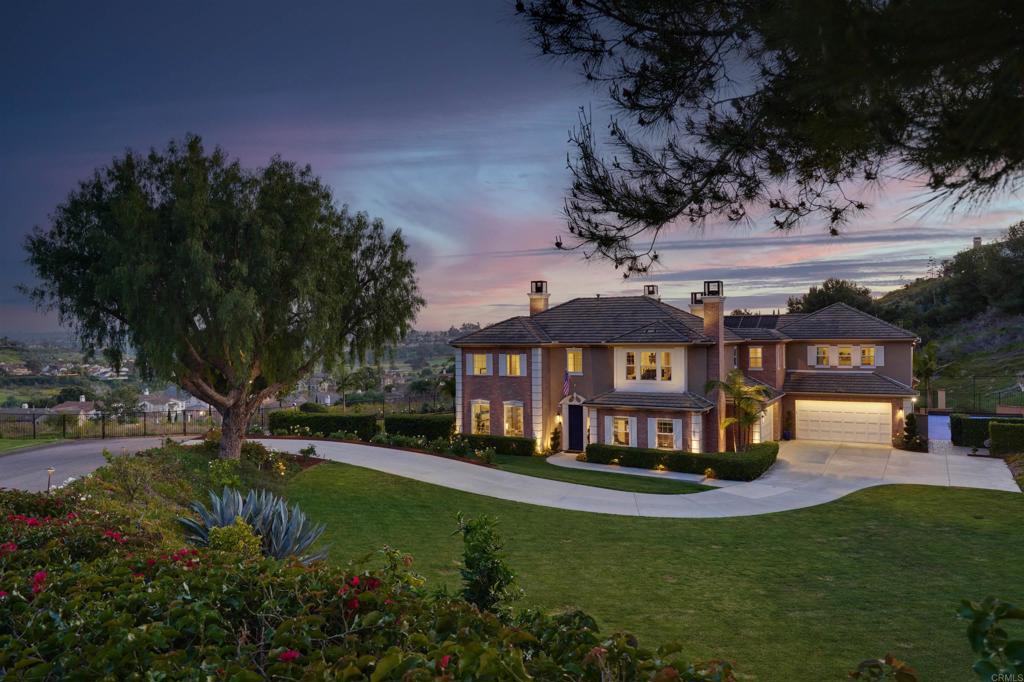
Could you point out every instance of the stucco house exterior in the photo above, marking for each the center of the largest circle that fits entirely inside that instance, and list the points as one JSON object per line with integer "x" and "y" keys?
{"x": 631, "y": 370}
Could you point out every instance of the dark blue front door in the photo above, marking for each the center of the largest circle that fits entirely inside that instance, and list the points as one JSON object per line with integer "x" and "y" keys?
{"x": 576, "y": 428}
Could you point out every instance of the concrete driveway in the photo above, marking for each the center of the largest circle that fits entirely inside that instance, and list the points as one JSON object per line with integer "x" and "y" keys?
{"x": 26, "y": 469}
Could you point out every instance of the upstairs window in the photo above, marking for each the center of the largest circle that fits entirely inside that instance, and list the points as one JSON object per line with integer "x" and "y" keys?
{"x": 666, "y": 366}
{"x": 620, "y": 431}
{"x": 821, "y": 356}
{"x": 755, "y": 357}
{"x": 666, "y": 435}
{"x": 735, "y": 357}
{"x": 480, "y": 364}
{"x": 867, "y": 356}
{"x": 648, "y": 366}
{"x": 845, "y": 356}
{"x": 630, "y": 366}
{"x": 513, "y": 365}
{"x": 574, "y": 360}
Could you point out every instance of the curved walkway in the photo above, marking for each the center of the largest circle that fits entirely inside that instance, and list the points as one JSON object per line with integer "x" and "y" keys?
{"x": 808, "y": 473}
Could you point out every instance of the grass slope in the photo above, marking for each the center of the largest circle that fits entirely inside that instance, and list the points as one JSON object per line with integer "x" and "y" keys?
{"x": 539, "y": 467}
{"x": 12, "y": 444}
{"x": 803, "y": 595}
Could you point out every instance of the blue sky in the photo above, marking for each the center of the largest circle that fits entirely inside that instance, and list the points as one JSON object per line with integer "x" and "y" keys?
{"x": 437, "y": 117}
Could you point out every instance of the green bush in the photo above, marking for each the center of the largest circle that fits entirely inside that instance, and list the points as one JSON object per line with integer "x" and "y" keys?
{"x": 238, "y": 538}
{"x": 430, "y": 426}
{"x": 313, "y": 408}
{"x": 972, "y": 432}
{"x": 487, "y": 580}
{"x": 1006, "y": 438}
{"x": 364, "y": 425}
{"x": 503, "y": 445}
{"x": 733, "y": 466}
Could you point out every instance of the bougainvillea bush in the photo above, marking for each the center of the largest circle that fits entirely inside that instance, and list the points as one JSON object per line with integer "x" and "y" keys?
{"x": 90, "y": 589}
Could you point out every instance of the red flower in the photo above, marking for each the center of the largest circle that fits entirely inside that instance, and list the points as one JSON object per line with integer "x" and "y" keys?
{"x": 342, "y": 590}
{"x": 445, "y": 660}
{"x": 71, "y": 515}
{"x": 288, "y": 655}
{"x": 352, "y": 603}
{"x": 372, "y": 584}
{"x": 3, "y": 594}
{"x": 138, "y": 575}
{"x": 38, "y": 582}
{"x": 151, "y": 562}
{"x": 355, "y": 581}
{"x": 7, "y": 548}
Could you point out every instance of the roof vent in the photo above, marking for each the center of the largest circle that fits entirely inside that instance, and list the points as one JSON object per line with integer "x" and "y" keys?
{"x": 713, "y": 288}
{"x": 651, "y": 290}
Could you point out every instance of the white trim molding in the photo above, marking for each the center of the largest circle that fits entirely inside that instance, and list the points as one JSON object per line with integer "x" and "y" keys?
{"x": 458, "y": 390}
{"x": 537, "y": 399}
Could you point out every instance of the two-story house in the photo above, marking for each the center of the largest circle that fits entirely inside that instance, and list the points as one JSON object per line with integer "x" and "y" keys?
{"x": 631, "y": 370}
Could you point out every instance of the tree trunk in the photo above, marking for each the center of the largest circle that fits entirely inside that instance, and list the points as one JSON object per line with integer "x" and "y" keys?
{"x": 232, "y": 431}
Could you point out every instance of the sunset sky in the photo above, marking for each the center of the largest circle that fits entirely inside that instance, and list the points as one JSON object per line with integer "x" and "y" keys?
{"x": 437, "y": 117}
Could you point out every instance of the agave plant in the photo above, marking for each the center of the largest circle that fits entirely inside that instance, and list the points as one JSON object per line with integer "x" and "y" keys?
{"x": 283, "y": 531}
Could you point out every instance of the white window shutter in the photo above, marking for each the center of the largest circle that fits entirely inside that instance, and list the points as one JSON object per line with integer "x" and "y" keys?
{"x": 652, "y": 432}
{"x": 833, "y": 356}
{"x": 490, "y": 364}
{"x": 697, "y": 425}
{"x": 879, "y": 356}
{"x": 502, "y": 365}
{"x": 469, "y": 363}
{"x": 609, "y": 437}
{"x": 812, "y": 356}
{"x": 522, "y": 364}
{"x": 856, "y": 356}
{"x": 677, "y": 434}
{"x": 632, "y": 432}
{"x": 593, "y": 426}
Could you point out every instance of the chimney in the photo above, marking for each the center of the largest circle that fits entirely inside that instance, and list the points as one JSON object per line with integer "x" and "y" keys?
{"x": 538, "y": 296}
{"x": 697, "y": 303}
{"x": 977, "y": 242}
{"x": 651, "y": 290}
{"x": 713, "y": 302}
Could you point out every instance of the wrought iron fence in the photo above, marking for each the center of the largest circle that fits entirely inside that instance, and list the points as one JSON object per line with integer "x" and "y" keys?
{"x": 982, "y": 394}
{"x": 49, "y": 424}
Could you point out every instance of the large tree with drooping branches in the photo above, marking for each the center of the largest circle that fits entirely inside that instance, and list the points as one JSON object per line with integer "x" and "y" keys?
{"x": 231, "y": 283}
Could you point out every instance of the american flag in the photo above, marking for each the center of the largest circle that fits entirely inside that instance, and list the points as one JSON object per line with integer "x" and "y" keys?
{"x": 565, "y": 384}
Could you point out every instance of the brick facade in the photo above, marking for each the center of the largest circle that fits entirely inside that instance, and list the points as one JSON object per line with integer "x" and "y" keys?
{"x": 496, "y": 389}
{"x": 642, "y": 417}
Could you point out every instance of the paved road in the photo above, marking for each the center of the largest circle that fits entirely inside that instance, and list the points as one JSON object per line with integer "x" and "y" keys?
{"x": 26, "y": 469}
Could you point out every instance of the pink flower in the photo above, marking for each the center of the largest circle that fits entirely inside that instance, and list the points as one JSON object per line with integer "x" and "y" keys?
{"x": 38, "y": 582}
{"x": 445, "y": 660}
{"x": 288, "y": 655}
{"x": 3, "y": 594}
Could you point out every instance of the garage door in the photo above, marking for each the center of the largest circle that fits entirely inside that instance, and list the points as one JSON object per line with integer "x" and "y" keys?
{"x": 850, "y": 422}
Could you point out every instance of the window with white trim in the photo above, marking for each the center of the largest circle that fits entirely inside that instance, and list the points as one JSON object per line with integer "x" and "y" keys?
{"x": 755, "y": 357}
{"x": 845, "y": 356}
{"x": 480, "y": 363}
{"x": 630, "y": 366}
{"x": 481, "y": 416}
{"x": 666, "y": 435}
{"x": 648, "y": 366}
{"x": 867, "y": 356}
{"x": 821, "y": 356}
{"x": 620, "y": 431}
{"x": 574, "y": 360}
{"x": 513, "y": 418}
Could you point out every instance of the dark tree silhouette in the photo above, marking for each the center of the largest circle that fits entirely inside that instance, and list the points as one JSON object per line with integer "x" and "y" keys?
{"x": 833, "y": 291}
{"x": 233, "y": 284}
{"x": 728, "y": 107}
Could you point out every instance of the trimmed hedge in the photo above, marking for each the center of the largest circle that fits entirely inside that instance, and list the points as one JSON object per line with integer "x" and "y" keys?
{"x": 972, "y": 432}
{"x": 363, "y": 425}
{"x": 503, "y": 445}
{"x": 430, "y": 426}
{"x": 1007, "y": 438}
{"x": 733, "y": 466}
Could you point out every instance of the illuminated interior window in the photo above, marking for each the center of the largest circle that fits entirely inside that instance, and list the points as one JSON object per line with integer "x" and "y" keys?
{"x": 630, "y": 366}
{"x": 845, "y": 356}
{"x": 481, "y": 417}
{"x": 479, "y": 363}
{"x": 620, "y": 431}
{"x": 513, "y": 419}
{"x": 574, "y": 360}
{"x": 666, "y": 435}
{"x": 756, "y": 357}
{"x": 648, "y": 366}
{"x": 867, "y": 356}
{"x": 822, "y": 356}
{"x": 666, "y": 366}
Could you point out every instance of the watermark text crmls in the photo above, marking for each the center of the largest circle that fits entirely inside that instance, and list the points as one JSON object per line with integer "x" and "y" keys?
{"x": 1007, "y": 677}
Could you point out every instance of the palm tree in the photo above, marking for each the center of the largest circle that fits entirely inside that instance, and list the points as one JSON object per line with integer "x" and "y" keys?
{"x": 748, "y": 403}
{"x": 926, "y": 366}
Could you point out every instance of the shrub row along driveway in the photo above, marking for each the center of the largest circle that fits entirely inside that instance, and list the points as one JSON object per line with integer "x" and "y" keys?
{"x": 808, "y": 473}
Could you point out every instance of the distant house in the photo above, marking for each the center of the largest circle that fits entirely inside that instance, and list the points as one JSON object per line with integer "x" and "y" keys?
{"x": 162, "y": 405}
{"x": 82, "y": 408}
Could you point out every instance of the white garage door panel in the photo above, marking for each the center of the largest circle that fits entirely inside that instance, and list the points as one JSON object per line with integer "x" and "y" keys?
{"x": 843, "y": 421}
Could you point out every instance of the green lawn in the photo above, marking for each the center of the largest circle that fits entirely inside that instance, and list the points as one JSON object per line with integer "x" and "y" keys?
{"x": 538, "y": 466}
{"x": 801, "y": 595}
{"x": 10, "y": 444}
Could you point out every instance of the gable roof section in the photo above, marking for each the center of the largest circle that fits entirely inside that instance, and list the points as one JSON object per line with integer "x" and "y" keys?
{"x": 662, "y": 331}
{"x": 841, "y": 321}
{"x": 652, "y": 400}
{"x": 515, "y": 330}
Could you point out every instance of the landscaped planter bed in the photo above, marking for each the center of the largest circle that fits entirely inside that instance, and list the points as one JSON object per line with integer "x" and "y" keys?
{"x": 733, "y": 466}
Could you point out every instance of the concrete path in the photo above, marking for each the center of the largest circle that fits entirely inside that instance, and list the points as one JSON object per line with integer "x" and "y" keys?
{"x": 808, "y": 473}
{"x": 26, "y": 469}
